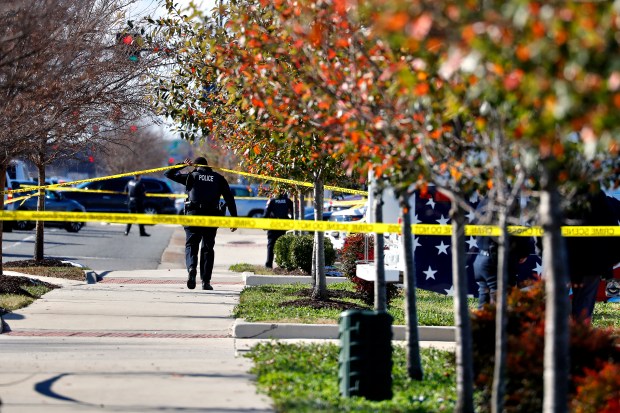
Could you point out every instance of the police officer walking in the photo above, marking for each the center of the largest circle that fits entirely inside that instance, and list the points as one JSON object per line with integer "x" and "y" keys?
{"x": 280, "y": 207}
{"x": 204, "y": 188}
{"x": 136, "y": 193}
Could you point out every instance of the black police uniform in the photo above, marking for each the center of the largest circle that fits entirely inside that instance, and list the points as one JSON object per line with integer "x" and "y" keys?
{"x": 281, "y": 208}
{"x": 204, "y": 188}
{"x": 136, "y": 193}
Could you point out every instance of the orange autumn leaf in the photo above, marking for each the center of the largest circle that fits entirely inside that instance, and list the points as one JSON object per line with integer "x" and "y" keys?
{"x": 422, "y": 89}
{"x": 433, "y": 44}
{"x": 456, "y": 174}
{"x": 490, "y": 184}
{"x": 316, "y": 34}
{"x": 257, "y": 103}
{"x": 299, "y": 88}
{"x": 397, "y": 21}
{"x": 523, "y": 53}
{"x": 561, "y": 37}
{"x": 468, "y": 34}
{"x": 256, "y": 149}
{"x": 342, "y": 42}
{"x": 340, "y": 6}
{"x": 558, "y": 149}
{"x": 563, "y": 176}
{"x": 538, "y": 29}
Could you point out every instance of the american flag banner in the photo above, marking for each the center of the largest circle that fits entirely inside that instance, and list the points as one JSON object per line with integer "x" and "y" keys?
{"x": 433, "y": 254}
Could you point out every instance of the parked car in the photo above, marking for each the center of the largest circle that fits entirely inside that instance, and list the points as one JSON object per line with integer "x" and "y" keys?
{"x": 117, "y": 201}
{"x": 241, "y": 190}
{"x": 54, "y": 201}
{"x": 353, "y": 214}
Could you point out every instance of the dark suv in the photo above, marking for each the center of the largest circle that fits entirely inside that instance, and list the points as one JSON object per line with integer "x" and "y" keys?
{"x": 117, "y": 202}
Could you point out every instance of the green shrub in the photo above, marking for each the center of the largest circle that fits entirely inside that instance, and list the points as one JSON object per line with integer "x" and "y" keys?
{"x": 282, "y": 251}
{"x": 301, "y": 252}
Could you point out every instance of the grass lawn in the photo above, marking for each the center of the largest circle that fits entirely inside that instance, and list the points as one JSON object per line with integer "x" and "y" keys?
{"x": 304, "y": 378}
{"x": 16, "y": 301}
{"x": 20, "y": 291}
{"x": 264, "y": 304}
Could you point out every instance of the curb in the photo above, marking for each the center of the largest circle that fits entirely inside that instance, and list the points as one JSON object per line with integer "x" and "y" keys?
{"x": 250, "y": 279}
{"x": 244, "y": 329}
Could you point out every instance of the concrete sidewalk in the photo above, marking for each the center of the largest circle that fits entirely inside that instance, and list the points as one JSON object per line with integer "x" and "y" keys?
{"x": 140, "y": 341}
{"x": 137, "y": 341}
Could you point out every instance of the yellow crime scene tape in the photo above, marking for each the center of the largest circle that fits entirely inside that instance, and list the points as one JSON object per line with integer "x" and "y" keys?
{"x": 164, "y": 168}
{"x": 297, "y": 225}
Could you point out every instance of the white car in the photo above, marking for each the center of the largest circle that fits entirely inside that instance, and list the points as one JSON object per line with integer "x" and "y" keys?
{"x": 355, "y": 214}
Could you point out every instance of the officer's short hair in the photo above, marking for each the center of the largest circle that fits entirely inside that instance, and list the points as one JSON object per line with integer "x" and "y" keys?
{"x": 201, "y": 160}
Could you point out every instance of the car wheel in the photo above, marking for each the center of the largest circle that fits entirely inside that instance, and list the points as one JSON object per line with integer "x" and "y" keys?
{"x": 74, "y": 226}
{"x": 256, "y": 214}
{"x": 150, "y": 210}
{"x": 24, "y": 225}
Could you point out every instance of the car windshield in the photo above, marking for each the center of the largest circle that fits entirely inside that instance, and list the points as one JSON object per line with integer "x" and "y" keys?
{"x": 344, "y": 218}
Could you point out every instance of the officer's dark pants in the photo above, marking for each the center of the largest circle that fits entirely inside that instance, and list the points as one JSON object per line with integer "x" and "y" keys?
{"x": 202, "y": 238}
{"x": 272, "y": 237}
{"x": 485, "y": 274}
{"x": 584, "y": 297}
{"x": 135, "y": 209}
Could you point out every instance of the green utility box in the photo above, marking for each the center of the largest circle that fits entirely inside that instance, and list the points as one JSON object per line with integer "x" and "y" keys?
{"x": 365, "y": 359}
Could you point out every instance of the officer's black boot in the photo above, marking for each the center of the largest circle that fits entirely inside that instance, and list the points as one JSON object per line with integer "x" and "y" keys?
{"x": 191, "y": 278}
{"x": 206, "y": 285}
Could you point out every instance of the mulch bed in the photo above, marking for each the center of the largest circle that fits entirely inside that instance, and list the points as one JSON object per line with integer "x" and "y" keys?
{"x": 45, "y": 262}
{"x": 334, "y": 300}
{"x": 14, "y": 284}
{"x": 284, "y": 271}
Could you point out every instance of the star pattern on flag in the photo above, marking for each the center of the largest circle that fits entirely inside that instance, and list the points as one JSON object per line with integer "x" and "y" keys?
{"x": 433, "y": 257}
{"x": 443, "y": 248}
{"x": 430, "y": 273}
{"x": 538, "y": 268}
{"x": 472, "y": 242}
{"x": 443, "y": 220}
{"x": 416, "y": 243}
{"x": 471, "y": 215}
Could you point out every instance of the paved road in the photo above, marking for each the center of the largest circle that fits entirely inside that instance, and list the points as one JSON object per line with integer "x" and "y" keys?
{"x": 99, "y": 246}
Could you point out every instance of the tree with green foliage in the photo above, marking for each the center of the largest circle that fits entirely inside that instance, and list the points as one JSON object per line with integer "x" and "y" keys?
{"x": 545, "y": 70}
{"x": 240, "y": 85}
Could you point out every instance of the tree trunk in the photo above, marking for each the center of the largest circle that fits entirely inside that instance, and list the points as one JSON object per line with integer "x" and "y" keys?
{"x": 557, "y": 357}
{"x": 302, "y": 207}
{"x": 320, "y": 287}
{"x": 2, "y": 223}
{"x": 414, "y": 362}
{"x": 39, "y": 237}
{"x": 501, "y": 315}
{"x": 464, "y": 357}
{"x": 380, "y": 290}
